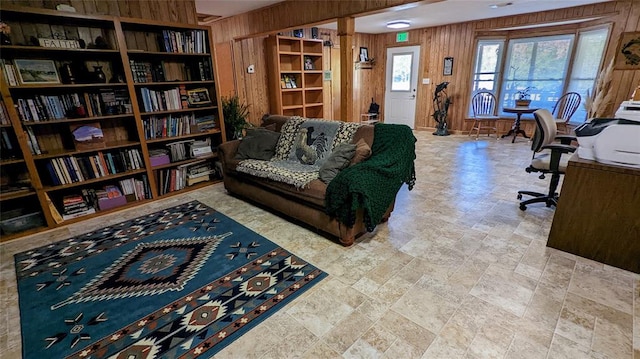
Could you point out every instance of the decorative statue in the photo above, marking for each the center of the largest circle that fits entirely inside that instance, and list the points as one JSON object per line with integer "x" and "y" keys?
{"x": 441, "y": 103}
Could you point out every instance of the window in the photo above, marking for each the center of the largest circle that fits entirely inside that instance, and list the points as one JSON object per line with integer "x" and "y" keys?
{"x": 487, "y": 65}
{"x": 548, "y": 65}
{"x": 538, "y": 63}
{"x": 401, "y": 70}
{"x": 589, "y": 52}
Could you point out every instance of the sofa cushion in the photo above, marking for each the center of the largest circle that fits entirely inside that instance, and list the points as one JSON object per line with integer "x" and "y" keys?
{"x": 339, "y": 159}
{"x": 259, "y": 144}
{"x": 313, "y": 193}
{"x": 363, "y": 151}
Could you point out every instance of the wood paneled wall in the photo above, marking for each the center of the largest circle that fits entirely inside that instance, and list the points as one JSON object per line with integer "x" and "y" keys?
{"x": 455, "y": 40}
{"x": 183, "y": 11}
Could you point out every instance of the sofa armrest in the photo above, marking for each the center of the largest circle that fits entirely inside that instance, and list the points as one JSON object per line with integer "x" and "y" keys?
{"x": 227, "y": 152}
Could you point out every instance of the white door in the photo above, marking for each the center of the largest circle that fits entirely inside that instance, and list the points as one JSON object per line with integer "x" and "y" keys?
{"x": 401, "y": 85}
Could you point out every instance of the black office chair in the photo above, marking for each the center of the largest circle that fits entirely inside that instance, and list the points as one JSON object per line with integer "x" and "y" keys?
{"x": 548, "y": 157}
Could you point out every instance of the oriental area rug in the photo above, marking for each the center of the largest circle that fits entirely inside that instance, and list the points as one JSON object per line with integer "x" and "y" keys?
{"x": 183, "y": 282}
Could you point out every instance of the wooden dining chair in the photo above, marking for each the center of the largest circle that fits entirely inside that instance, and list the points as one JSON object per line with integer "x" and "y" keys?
{"x": 484, "y": 106}
{"x": 564, "y": 108}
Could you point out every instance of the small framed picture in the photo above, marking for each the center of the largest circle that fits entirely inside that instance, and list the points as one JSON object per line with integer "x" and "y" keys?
{"x": 199, "y": 97}
{"x": 448, "y": 66}
{"x": 37, "y": 71}
{"x": 364, "y": 54}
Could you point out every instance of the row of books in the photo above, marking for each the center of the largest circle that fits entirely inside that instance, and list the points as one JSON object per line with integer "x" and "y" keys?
{"x": 10, "y": 73}
{"x": 71, "y": 169}
{"x": 139, "y": 188}
{"x": 188, "y": 41}
{"x": 74, "y": 206}
{"x": 163, "y": 71}
{"x": 146, "y": 71}
{"x": 9, "y": 148}
{"x": 161, "y": 100}
{"x": 171, "y": 126}
{"x": 4, "y": 114}
{"x": 73, "y": 105}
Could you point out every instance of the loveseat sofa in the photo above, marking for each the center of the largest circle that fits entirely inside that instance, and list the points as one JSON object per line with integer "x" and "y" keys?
{"x": 309, "y": 203}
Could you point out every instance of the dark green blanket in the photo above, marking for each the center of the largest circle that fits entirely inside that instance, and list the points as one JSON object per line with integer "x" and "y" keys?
{"x": 373, "y": 184}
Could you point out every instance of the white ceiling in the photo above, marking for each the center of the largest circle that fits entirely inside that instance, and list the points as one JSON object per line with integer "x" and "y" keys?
{"x": 420, "y": 15}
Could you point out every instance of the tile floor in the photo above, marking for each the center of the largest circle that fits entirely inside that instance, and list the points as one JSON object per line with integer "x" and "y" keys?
{"x": 458, "y": 272}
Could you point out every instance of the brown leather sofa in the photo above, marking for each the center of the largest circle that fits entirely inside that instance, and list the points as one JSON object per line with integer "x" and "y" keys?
{"x": 306, "y": 205}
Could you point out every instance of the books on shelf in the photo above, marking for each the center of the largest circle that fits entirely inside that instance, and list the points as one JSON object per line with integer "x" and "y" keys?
{"x": 74, "y": 206}
{"x": 4, "y": 114}
{"x": 72, "y": 169}
{"x": 201, "y": 148}
{"x": 145, "y": 71}
{"x": 161, "y": 100}
{"x": 168, "y": 126}
{"x": 187, "y": 41}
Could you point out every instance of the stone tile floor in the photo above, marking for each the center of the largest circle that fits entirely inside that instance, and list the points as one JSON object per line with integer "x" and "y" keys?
{"x": 458, "y": 272}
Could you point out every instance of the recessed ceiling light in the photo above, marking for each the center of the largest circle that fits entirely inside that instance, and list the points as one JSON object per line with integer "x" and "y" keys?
{"x": 495, "y": 6}
{"x": 398, "y": 24}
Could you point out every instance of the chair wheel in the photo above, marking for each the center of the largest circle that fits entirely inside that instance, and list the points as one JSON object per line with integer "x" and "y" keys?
{"x": 519, "y": 195}
{"x": 523, "y": 207}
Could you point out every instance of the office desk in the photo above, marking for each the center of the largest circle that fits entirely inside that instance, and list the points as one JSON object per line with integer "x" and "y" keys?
{"x": 598, "y": 215}
{"x": 515, "y": 129}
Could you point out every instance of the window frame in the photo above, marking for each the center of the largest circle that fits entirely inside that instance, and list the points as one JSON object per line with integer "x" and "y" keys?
{"x": 506, "y": 39}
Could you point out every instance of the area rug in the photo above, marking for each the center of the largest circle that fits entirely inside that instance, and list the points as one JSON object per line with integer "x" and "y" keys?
{"x": 180, "y": 283}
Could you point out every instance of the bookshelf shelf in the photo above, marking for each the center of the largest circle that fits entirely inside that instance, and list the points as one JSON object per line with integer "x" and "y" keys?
{"x": 83, "y": 119}
{"x": 16, "y": 194}
{"x": 295, "y": 67}
{"x": 38, "y": 112}
{"x": 108, "y": 146}
{"x": 169, "y": 83}
{"x": 93, "y": 180}
{"x": 185, "y": 162}
{"x": 182, "y": 137}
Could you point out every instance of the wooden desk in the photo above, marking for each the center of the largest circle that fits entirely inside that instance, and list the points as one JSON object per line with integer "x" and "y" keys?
{"x": 598, "y": 215}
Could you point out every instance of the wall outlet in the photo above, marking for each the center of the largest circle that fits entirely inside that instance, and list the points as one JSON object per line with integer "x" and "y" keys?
{"x": 251, "y": 69}
{"x": 426, "y": 81}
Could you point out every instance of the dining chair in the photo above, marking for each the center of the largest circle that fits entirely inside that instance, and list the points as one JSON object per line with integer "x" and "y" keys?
{"x": 564, "y": 108}
{"x": 484, "y": 106}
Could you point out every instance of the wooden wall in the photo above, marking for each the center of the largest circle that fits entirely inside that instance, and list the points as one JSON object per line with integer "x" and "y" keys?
{"x": 183, "y": 11}
{"x": 455, "y": 40}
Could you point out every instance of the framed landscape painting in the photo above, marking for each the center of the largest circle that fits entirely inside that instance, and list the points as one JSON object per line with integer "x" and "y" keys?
{"x": 37, "y": 71}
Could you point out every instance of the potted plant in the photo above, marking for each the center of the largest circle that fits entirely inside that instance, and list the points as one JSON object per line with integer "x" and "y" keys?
{"x": 235, "y": 116}
{"x": 523, "y": 97}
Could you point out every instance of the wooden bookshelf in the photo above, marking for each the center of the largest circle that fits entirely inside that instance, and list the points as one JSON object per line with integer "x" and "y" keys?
{"x": 95, "y": 77}
{"x": 296, "y": 76}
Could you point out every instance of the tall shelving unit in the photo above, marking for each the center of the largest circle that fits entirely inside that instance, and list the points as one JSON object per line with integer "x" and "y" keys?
{"x": 152, "y": 91}
{"x": 296, "y": 76}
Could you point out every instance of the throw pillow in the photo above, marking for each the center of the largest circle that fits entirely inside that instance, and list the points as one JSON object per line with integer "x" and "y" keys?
{"x": 270, "y": 127}
{"x": 339, "y": 159}
{"x": 258, "y": 144}
{"x": 363, "y": 151}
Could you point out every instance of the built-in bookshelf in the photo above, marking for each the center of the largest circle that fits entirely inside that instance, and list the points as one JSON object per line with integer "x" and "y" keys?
{"x": 296, "y": 76}
{"x": 88, "y": 106}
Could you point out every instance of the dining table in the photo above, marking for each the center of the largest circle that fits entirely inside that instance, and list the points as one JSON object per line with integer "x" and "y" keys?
{"x": 515, "y": 129}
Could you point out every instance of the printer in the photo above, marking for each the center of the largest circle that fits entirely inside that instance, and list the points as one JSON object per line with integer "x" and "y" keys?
{"x": 612, "y": 140}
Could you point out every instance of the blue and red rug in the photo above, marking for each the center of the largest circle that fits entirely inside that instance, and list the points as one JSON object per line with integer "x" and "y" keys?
{"x": 180, "y": 283}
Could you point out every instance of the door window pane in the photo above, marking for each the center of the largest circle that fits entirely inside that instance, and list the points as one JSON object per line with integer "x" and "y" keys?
{"x": 401, "y": 72}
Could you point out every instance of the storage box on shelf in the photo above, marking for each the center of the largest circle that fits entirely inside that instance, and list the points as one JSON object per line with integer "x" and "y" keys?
{"x": 84, "y": 99}
{"x": 296, "y": 76}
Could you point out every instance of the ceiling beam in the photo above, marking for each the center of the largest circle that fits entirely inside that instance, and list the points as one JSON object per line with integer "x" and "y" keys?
{"x": 271, "y": 19}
